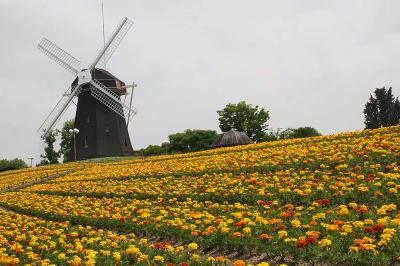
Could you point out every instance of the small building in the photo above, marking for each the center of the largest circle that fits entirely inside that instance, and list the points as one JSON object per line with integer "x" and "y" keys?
{"x": 231, "y": 138}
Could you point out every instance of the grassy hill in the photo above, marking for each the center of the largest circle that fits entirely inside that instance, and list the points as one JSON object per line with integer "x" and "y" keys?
{"x": 326, "y": 200}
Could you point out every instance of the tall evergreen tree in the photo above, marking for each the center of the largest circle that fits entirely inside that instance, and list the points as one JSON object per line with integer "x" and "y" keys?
{"x": 395, "y": 119}
{"x": 371, "y": 113}
{"x": 382, "y": 109}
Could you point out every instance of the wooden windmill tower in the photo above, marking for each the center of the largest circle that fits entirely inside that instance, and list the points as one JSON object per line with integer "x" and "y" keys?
{"x": 101, "y": 117}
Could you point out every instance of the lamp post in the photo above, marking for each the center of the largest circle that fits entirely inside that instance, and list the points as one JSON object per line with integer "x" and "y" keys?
{"x": 74, "y": 131}
{"x": 31, "y": 159}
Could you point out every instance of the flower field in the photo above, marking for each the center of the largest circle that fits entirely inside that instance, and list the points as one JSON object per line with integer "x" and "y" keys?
{"x": 330, "y": 199}
{"x": 11, "y": 179}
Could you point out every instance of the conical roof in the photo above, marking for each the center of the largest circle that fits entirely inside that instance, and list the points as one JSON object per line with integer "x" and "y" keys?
{"x": 231, "y": 138}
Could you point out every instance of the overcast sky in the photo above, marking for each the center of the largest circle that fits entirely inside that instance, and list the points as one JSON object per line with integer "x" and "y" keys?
{"x": 310, "y": 63}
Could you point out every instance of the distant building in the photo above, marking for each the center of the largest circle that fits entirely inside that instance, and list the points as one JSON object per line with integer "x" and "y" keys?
{"x": 231, "y": 138}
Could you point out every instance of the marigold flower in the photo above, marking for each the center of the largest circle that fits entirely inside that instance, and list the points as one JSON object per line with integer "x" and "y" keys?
{"x": 325, "y": 243}
{"x": 158, "y": 258}
{"x": 193, "y": 246}
{"x": 282, "y": 234}
{"x": 239, "y": 263}
{"x": 195, "y": 257}
{"x": 143, "y": 258}
{"x": 295, "y": 223}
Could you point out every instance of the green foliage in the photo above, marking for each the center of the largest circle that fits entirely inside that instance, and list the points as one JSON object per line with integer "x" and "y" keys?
{"x": 246, "y": 118}
{"x": 301, "y": 132}
{"x": 291, "y": 133}
{"x": 382, "y": 109}
{"x": 50, "y": 156}
{"x": 153, "y": 150}
{"x": 15, "y": 164}
{"x": 191, "y": 140}
{"x": 66, "y": 140}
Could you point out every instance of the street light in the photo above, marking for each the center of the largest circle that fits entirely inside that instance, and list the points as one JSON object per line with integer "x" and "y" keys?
{"x": 74, "y": 131}
{"x": 31, "y": 158}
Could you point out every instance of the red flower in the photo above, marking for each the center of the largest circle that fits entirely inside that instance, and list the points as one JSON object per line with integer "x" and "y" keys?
{"x": 378, "y": 227}
{"x": 311, "y": 239}
{"x": 184, "y": 263}
{"x": 301, "y": 243}
{"x": 368, "y": 229}
{"x": 240, "y": 224}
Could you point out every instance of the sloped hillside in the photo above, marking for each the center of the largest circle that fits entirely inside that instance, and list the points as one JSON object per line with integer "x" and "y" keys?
{"x": 330, "y": 199}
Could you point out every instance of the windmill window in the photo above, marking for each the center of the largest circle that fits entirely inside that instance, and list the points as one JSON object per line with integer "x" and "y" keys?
{"x": 88, "y": 119}
{"x": 86, "y": 141}
{"x": 108, "y": 131}
{"x": 126, "y": 144}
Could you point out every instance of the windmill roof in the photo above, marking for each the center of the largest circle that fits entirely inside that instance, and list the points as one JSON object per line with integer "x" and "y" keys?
{"x": 108, "y": 73}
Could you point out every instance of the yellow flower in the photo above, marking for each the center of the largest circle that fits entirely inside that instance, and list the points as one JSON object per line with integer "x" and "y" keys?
{"x": 143, "y": 258}
{"x": 117, "y": 256}
{"x": 210, "y": 258}
{"x": 282, "y": 234}
{"x": 61, "y": 256}
{"x": 196, "y": 257}
{"x": 158, "y": 258}
{"x": 263, "y": 264}
{"x": 132, "y": 250}
{"x": 193, "y": 246}
{"x": 106, "y": 252}
{"x": 179, "y": 248}
{"x": 247, "y": 230}
{"x": 296, "y": 223}
{"x": 325, "y": 243}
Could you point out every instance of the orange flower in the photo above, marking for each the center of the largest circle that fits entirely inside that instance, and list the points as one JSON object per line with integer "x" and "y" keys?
{"x": 265, "y": 236}
{"x": 301, "y": 243}
{"x": 237, "y": 234}
{"x": 239, "y": 263}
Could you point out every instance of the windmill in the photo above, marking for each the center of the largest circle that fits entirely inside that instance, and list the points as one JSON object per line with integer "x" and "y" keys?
{"x": 101, "y": 117}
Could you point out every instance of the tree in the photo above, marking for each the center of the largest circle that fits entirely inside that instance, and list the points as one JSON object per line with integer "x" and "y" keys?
{"x": 50, "y": 156}
{"x": 191, "y": 140}
{"x": 301, "y": 132}
{"x": 66, "y": 140}
{"x": 14, "y": 164}
{"x": 153, "y": 150}
{"x": 382, "y": 109}
{"x": 291, "y": 133}
{"x": 244, "y": 117}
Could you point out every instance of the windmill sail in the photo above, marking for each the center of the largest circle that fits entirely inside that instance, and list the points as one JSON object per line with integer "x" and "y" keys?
{"x": 111, "y": 100}
{"x": 60, "y": 108}
{"x": 112, "y": 44}
{"x": 60, "y": 56}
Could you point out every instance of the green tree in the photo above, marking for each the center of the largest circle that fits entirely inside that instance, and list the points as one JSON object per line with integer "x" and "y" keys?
{"x": 15, "y": 163}
{"x": 66, "y": 140}
{"x": 191, "y": 140}
{"x": 301, "y": 132}
{"x": 244, "y": 117}
{"x": 382, "y": 109}
{"x": 291, "y": 133}
{"x": 50, "y": 155}
{"x": 153, "y": 150}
